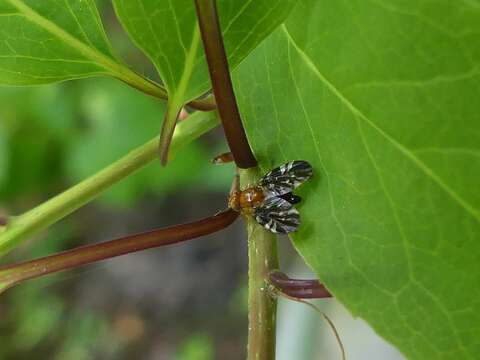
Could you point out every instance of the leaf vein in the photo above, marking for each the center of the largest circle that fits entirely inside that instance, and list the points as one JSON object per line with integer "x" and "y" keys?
{"x": 397, "y": 145}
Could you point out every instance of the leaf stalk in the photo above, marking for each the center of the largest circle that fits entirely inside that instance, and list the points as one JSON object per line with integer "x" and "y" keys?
{"x": 16, "y": 273}
{"x": 222, "y": 84}
{"x": 298, "y": 288}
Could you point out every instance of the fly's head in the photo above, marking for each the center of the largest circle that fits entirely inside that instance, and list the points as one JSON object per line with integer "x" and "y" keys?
{"x": 234, "y": 201}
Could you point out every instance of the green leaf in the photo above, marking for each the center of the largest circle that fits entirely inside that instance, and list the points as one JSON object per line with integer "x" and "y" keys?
{"x": 51, "y": 40}
{"x": 4, "y": 154}
{"x": 382, "y": 99}
{"x": 167, "y": 32}
{"x": 44, "y": 41}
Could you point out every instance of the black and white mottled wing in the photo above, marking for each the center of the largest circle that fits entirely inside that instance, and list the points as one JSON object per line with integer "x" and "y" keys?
{"x": 286, "y": 177}
{"x": 277, "y": 215}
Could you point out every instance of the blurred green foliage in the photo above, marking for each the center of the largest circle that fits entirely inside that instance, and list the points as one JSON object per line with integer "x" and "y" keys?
{"x": 80, "y": 330}
{"x": 32, "y": 137}
{"x": 196, "y": 347}
{"x": 38, "y": 319}
{"x": 53, "y": 136}
{"x": 63, "y": 133}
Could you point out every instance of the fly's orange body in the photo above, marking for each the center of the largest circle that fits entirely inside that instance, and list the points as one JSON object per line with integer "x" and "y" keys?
{"x": 247, "y": 200}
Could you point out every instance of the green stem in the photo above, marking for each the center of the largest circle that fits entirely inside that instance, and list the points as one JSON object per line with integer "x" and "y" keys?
{"x": 21, "y": 227}
{"x": 262, "y": 307}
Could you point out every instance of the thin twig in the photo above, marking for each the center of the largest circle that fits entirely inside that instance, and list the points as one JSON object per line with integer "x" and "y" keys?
{"x": 151, "y": 88}
{"x": 204, "y": 104}
{"x": 222, "y": 84}
{"x": 13, "y": 274}
{"x": 316, "y": 309}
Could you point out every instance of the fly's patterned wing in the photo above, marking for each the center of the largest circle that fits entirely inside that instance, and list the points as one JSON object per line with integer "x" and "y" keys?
{"x": 277, "y": 215}
{"x": 286, "y": 177}
{"x": 291, "y": 198}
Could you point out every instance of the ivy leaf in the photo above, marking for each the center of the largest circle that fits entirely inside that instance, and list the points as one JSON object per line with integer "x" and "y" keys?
{"x": 381, "y": 98}
{"x": 167, "y": 31}
{"x": 45, "y": 41}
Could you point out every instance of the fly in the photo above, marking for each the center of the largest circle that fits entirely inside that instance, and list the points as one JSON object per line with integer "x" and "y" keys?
{"x": 271, "y": 201}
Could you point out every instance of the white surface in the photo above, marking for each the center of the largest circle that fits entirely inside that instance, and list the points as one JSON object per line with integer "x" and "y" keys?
{"x": 303, "y": 334}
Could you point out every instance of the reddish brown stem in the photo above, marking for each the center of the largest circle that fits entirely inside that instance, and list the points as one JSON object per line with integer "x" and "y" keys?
{"x": 297, "y": 288}
{"x": 13, "y": 274}
{"x": 222, "y": 84}
{"x": 223, "y": 158}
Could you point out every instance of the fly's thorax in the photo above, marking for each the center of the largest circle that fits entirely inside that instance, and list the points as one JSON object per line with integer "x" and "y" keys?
{"x": 251, "y": 198}
{"x": 246, "y": 200}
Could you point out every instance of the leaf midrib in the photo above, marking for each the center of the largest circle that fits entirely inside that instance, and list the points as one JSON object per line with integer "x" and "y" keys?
{"x": 400, "y": 147}
{"x": 189, "y": 64}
